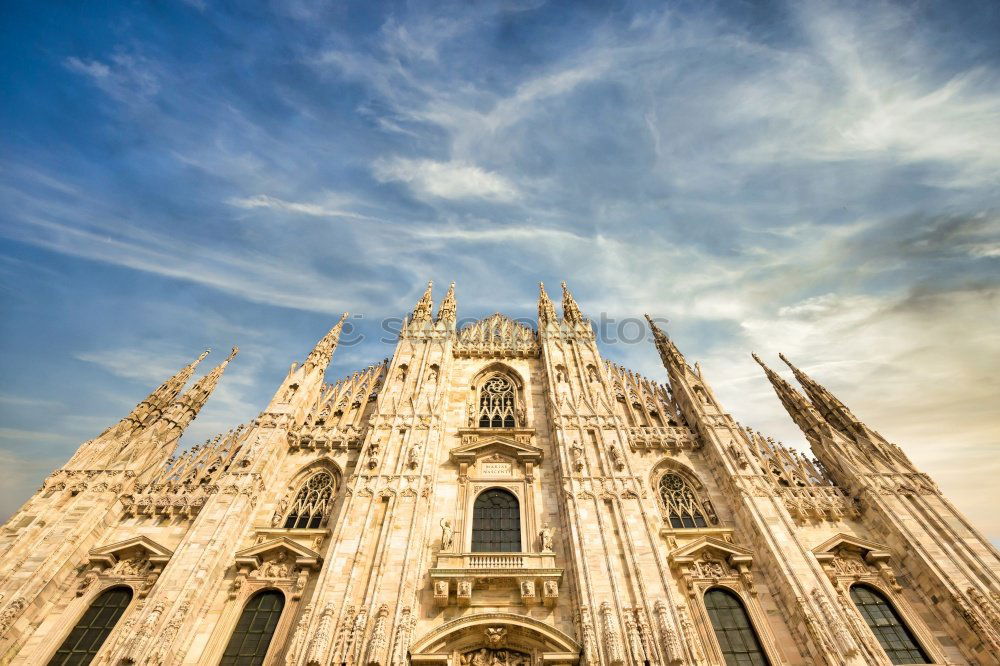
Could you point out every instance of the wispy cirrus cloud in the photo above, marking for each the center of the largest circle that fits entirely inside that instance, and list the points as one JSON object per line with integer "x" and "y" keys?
{"x": 446, "y": 180}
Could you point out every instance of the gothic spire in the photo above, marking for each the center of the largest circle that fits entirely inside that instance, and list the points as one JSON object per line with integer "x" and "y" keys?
{"x": 323, "y": 351}
{"x": 832, "y": 409}
{"x": 546, "y": 311}
{"x": 166, "y": 393}
{"x": 669, "y": 354}
{"x": 448, "y": 309}
{"x": 425, "y": 306}
{"x": 182, "y": 412}
{"x": 571, "y": 311}
{"x": 800, "y": 409}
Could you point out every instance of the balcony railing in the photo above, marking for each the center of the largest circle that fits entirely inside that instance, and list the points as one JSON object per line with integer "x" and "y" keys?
{"x": 534, "y": 575}
{"x": 472, "y": 563}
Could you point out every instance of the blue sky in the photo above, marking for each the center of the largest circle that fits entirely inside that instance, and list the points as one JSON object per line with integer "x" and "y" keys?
{"x": 814, "y": 178}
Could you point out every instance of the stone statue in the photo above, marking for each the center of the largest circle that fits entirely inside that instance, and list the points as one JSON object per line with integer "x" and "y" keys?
{"x": 447, "y": 534}
{"x": 413, "y": 457}
{"x": 546, "y": 538}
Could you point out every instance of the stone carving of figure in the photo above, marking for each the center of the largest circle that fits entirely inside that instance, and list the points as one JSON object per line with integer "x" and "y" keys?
{"x": 441, "y": 588}
{"x": 279, "y": 513}
{"x": 276, "y": 568}
{"x": 413, "y": 457}
{"x": 577, "y": 452}
{"x": 546, "y": 538}
{"x": 447, "y": 534}
{"x": 86, "y": 582}
{"x": 134, "y": 566}
{"x": 616, "y": 457}
{"x": 527, "y": 588}
{"x": 551, "y": 588}
{"x": 495, "y": 636}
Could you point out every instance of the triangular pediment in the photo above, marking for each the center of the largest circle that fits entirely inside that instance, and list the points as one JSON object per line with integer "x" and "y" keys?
{"x": 256, "y": 554}
{"x": 111, "y": 553}
{"x": 732, "y": 553}
{"x": 496, "y": 444}
{"x": 851, "y": 542}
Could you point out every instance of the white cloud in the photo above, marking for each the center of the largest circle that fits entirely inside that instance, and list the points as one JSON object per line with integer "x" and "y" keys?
{"x": 125, "y": 77}
{"x": 447, "y": 180}
{"x": 330, "y": 208}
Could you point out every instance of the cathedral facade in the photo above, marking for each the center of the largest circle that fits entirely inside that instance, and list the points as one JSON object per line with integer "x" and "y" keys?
{"x": 496, "y": 495}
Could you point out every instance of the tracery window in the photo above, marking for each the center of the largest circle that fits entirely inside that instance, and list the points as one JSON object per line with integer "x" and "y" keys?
{"x": 93, "y": 628}
{"x": 312, "y": 504}
{"x": 496, "y": 523}
{"x": 737, "y": 638}
{"x": 680, "y": 502}
{"x": 497, "y": 403}
{"x": 890, "y": 630}
{"x": 252, "y": 636}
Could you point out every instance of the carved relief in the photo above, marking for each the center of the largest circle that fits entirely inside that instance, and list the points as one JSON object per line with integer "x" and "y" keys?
{"x": 277, "y": 566}
{"x": 612, "y": 638}
{"x": 298, "y": 640}
{"x": 668, "y": 637}
{"x": 495, "y": 657}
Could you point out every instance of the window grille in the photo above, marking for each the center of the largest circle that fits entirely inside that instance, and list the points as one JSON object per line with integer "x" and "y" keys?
{"x": 311, "y": 507}
{"x": 252, "y": 636}
{"x": 496, "y": 523}
{"x": 892, "y": 634}
{"x": 680, "y": 502}
{"x": 737, "y": 638}
{"x": 93, "y": 628}
{"x": 496, "y": 404}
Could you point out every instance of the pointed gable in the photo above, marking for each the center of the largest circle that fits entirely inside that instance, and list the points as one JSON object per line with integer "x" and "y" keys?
{"x": 497, "y": 335}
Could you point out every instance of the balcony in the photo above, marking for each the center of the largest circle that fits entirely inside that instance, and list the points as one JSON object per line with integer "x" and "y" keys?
{"x": 456, "y": 575}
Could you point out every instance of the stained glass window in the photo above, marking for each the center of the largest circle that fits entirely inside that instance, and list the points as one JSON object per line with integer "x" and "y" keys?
{"x": 680, "y": 502}
{"x": 736, "y": 636}
{"x": 496, "y": 403}
{"x": 892, "y": 634}
{"x": 93, "y": 628}
{"x": 252, "y": 636}
{"x": 496, "y": 523}
{"x": 312, "y": 504}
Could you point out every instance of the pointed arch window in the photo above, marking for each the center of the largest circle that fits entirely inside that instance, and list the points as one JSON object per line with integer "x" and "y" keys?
{"x": 497, "y": 403}
{"x": 737, "y": 638}
{"x": 680, "y": 502}
{"x": 93, "y": 628}
{"x": 252, "y": 636}
{"x": 496, "y": 523}
{"x": 890, "y": 630}
{"x": 311, "y": 508}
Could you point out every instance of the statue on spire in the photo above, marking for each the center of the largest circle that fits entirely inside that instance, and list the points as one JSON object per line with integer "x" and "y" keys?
{"x": 546, "y": 311}
{"x": 571, "y": 311}
{"x": 448, "y": 310}
{"x": 669, "y": 354}
{"x": 425, "y": 306}
{"x": 322, "y": 353}
{"x": 161, "y": 398}
{"x": 182, "y": 412}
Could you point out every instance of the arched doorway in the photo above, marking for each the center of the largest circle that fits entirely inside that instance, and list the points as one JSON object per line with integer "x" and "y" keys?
{"x": 495, "y": 639}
